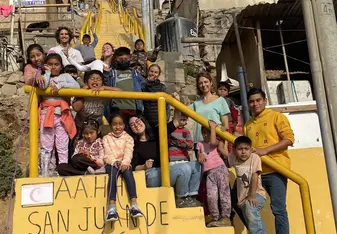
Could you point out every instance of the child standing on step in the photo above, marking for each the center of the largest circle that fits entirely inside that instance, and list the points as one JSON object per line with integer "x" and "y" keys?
{"x": 118, "y": 149}
{"x": 251, "y": 195}
{"x": 217, "y": 176}
{"x": 56, "y": 121}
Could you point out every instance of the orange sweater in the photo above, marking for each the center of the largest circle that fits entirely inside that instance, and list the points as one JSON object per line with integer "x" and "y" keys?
{"x": 267, "y": 129}
{"x": 66, "y": 116}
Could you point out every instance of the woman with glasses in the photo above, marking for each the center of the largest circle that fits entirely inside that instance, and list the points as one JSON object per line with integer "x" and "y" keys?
{"x": 146, "y": 156}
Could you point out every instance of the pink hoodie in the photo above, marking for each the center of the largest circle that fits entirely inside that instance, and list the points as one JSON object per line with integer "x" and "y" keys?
{"x": 118, "y": 148}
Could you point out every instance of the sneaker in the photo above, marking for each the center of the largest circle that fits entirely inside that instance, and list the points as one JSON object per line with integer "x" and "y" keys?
{"x": 112, "y": 215}
{"x": 224, "y": 222}
{"x": 90, "y": 171}
{"x": 213, "y": 223}
{"x": 135, "y": 212}
{"x": 184, "y": 202}
{"x": 193, "y": 201}
{"x": 101, "y": 170}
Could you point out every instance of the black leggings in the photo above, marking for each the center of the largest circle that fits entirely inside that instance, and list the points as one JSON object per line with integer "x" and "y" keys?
{"x": 78, "y": 165}
{"x": 113, "y": 173}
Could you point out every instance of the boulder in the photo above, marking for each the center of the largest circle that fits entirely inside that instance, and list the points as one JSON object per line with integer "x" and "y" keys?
{"x": 5, "y": 73}
{"x": 3, "y": 80}
{"x": 8, "y": 90}
{"x": 20, "y": 91}
{"x": 14, "y": 78}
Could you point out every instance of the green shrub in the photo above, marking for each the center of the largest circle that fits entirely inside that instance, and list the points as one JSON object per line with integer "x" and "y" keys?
{"x": 7, "y": 165}
{"x": 191, "y": 70}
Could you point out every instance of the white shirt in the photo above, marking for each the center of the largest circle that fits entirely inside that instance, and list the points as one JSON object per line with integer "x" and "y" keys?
{"x": 95, "y": 65}
{"x": 73, "y": 53}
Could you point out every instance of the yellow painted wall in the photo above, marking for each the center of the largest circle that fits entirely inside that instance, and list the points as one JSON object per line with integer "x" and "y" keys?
{"x": 86, "y": 207}
{"x": 85, "y": 203}
{"x": 310, "y": 164}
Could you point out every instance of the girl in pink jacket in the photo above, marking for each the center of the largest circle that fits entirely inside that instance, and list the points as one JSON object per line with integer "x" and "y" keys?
{"x": 118, "y": 150}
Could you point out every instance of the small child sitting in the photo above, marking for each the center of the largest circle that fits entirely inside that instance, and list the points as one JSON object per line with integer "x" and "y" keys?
{"x": 118, "y": 149}
{"x": 88, "y": 155}
{"x": 217, "y": 176}
{"x": 72, "y": 70}
{"x": 251, "y": 194}
{"x": 180, "y": 141}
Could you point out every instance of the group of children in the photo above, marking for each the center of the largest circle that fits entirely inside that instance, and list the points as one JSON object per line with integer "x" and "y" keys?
{"x": 113, "y": 153}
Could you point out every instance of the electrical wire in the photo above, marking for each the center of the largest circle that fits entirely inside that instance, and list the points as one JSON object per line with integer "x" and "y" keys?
{"x": 271, "y": 51}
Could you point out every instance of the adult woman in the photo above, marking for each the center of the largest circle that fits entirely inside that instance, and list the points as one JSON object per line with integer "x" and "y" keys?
{"x": 108, "y": 51}
{"x": 209, "y": 105}
{"x": 185, "y": 177}
{"x": 63, "y": 36}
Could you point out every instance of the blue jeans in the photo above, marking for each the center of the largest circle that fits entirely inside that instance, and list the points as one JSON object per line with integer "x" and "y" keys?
{"x": 276, "y": 186}
{"x": 185, "y": 177}
{"x": 252, "y": 216}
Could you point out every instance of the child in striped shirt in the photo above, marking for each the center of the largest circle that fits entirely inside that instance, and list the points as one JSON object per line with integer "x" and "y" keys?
{"x": 180, "y": 142}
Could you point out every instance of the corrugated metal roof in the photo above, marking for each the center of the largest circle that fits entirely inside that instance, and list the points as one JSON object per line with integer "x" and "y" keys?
{"x": 290, "y": 11}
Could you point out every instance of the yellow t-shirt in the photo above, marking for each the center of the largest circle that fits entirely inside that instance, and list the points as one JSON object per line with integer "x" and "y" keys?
{"x": 267, "y": 129}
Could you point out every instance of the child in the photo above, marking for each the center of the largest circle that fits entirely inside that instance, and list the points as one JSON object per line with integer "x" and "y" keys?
{"x": 56, "y": 121}
{"x": 180, "y": 141}
{"x": 217, "y": 177}
{"x": 72, "y": 70}
{"x": 118, "y": 149}
{"x": 90, "y": 107}
{"x": 140, "y": 56}
{"x": 35, "y": 58}
{"x": 153, "y": 85}
{"x": 88, "y": 155}
{"x": 223, "y": 91}
{"x": 88, "y": 50}
{"x": 251, "y": 194}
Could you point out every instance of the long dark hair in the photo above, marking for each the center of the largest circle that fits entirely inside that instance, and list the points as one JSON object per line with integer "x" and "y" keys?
{"x": 148, "y": 128}
{"x": 33, "y": 47}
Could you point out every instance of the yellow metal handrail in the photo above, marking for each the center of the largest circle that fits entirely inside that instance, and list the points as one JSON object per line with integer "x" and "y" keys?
{"x": 87, "y": 25}
{"x": 162, "y": 99}
{"x": 131, "y": 23}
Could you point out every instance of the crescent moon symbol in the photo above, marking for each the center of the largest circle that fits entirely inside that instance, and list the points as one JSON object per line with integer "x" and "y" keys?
{"x": 31, "y": 195}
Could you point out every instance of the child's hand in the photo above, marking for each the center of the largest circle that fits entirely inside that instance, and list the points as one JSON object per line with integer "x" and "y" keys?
{"x": 117, "y": 164}
{"x": 105, "y": 68}
{"x": 85, "y": 87}
{"x": 47, "y": 68}
{"x": 125, "y": 167}
{"x": 40, "y": 80}
{"x": 212, "y": 124}
{"x": 97, "y": 90}
{"x": 85, "y": 152}
{"x": 202, "y": 158}
{"x": 148, "y": 164}
{"x": 54, "y": 89}
{"x": 252, "y": 201}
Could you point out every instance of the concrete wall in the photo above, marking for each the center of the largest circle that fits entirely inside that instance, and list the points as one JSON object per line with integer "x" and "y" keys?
{"x": 230, "y": 56}
{"x": 227, "y": 4}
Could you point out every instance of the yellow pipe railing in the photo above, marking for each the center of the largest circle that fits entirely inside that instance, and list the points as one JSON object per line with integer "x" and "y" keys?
{"x": 85, "y": 26}
{"x": 162, "y": 99}
{"x": 131, "y": 22}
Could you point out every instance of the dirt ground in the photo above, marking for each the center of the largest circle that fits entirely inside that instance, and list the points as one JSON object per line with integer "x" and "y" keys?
{"x": 12, "y": 115}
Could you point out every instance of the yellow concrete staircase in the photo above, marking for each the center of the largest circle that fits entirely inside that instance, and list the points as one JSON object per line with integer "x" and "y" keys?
{"x": 78, "y": 205}
{"x": 112, "y": 30}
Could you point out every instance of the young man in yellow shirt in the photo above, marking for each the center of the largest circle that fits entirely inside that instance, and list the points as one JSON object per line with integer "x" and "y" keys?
{"x": 271, "y": 134}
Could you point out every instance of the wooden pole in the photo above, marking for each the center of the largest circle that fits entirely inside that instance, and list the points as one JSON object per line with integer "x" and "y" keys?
{"x": 264, "y": 83}
{"x": 21, "y": 34}
{"x": 238, "y": 42}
